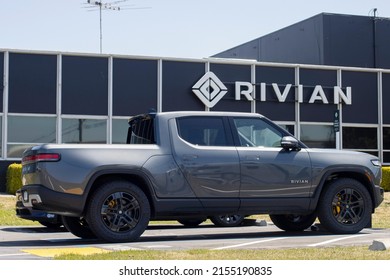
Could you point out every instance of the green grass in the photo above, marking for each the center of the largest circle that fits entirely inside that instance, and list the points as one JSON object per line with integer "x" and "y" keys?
{"x": 332, "y": 253}
{"x": 8, "y": 214}
{"x": 381, "y": 219}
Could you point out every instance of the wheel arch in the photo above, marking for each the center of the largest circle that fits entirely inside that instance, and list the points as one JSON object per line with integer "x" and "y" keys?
{"x": 137, "y": 178}
{"x": 357, "y": 174}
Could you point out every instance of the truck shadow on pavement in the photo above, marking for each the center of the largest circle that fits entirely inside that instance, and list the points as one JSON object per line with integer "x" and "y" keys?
{"x": 189, "y": 234}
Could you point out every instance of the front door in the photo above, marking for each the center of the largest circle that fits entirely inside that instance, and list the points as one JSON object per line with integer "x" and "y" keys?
{"x": 268, "y": 170}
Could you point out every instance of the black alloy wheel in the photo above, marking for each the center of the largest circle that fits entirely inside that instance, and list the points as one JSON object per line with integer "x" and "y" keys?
{"x": 119, "y": 212}
{"x": 345, "y": 206}
{"x": 228, "y": 220}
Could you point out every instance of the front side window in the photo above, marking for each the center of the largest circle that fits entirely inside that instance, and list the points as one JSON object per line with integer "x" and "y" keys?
{"x": 255, "y": 132}
{"x": 202, "y": 131}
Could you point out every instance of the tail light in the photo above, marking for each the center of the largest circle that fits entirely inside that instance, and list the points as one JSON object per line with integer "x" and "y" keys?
{"x": 41, "y": 157}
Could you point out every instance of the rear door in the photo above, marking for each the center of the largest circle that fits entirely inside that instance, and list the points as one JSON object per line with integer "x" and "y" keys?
{"x": 204, "y": 150}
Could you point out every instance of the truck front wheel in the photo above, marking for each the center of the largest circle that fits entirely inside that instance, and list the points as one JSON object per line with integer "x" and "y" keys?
{"x": 345, "y": 206}
{"x": 118, "y": 211}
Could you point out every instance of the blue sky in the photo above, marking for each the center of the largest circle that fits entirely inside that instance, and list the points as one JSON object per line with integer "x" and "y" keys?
{"x": 166, "y": 28}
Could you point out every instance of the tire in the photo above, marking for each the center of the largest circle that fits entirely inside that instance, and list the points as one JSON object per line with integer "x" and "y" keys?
{"x": 191, "y": 222}
{"x": 51, "y": 225}
{"x": 345, "y": 206}
{"x": 292, "y": 222}
{"x": 78, "y": 226}
{"x": 119, "y": 211}
{"x": 229, "y": 220}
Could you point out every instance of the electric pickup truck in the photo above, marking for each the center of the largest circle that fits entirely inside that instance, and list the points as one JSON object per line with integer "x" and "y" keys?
{"x": 189, "y": 166}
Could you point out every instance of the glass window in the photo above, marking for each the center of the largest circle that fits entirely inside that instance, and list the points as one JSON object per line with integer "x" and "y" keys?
{"x": 134, "y": 79}
{"x": 1, "y": 136}
{"x": 32, "y": 83}
{"x": 84, "y": 85}
{"x": 257, "y": 132}
{"x": 360, "y": 138}
{"x": 84, "y": 131}
{"x": 2, "y": 76}
{"x": 26, "y": 131}
{"x": 202, "y": 131}
{"x": 386, "y": 157}
{"x": 318, "y": 136}
{"x": 119, "y": 131}
{"x": 386, "y": 138}
{"x": 177, "y": 77}
{"x": 289, "y": 127}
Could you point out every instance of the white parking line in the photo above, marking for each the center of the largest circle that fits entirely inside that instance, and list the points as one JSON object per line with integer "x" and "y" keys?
{"x": 333, "y": 240}
{"x": 249, "y": 243}
{"x": 10, "y": 255}
{"x": 157, "y": 246}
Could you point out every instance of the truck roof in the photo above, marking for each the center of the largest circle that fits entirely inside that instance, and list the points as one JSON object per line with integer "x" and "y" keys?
{"x": 195, "y": 113}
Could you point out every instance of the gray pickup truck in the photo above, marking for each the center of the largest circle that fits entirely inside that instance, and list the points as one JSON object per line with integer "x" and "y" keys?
{"x": 192, "y": 165}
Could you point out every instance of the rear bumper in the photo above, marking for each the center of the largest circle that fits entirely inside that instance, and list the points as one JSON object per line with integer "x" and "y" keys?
{"x": 37, "y": 197}
{"x": 36, "y": 215}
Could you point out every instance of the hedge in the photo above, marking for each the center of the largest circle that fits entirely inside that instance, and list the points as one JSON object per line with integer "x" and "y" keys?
{"x": 14, "y": 178}
{"x": 386, "y": 178}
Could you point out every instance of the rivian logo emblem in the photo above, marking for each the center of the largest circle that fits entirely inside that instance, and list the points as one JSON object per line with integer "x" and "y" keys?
{"x": 209, "y": 89}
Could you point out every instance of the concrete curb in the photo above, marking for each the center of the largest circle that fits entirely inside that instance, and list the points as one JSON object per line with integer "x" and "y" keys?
{"x": 380, "y": 245}
{"x": 6, "y": 195}
{"x": 254, "y": 222}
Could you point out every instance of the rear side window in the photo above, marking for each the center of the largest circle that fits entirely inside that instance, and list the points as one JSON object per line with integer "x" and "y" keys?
{"x": 202, "y": 131}
{"x": 141, "y": 131}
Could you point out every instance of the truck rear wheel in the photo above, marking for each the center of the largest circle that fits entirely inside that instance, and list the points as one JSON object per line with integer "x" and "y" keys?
{"x": 345, "y": 206}
{"x": 292, "y": 222}
{"x": 118, "y": 211}
{"x": 228, "y": 220}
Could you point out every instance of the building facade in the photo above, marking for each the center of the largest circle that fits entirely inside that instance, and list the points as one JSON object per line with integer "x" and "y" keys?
{"x": 50, "y": 97}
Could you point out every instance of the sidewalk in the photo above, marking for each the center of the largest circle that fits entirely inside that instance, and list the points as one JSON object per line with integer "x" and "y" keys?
{"x": 6, "y": 195}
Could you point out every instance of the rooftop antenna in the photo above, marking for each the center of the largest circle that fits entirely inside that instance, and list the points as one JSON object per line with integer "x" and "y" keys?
{"x": 94, "y": 5}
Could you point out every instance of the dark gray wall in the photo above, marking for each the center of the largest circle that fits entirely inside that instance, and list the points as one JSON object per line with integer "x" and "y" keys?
{"x": 325, "y": 39}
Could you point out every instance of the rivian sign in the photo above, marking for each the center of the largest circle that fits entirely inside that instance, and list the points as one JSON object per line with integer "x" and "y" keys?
{"x": 209, "y": 89}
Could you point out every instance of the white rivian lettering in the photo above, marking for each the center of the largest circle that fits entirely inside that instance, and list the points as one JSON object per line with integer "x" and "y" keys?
{"x": 338, "y": 92}
{"x": 281, "y": 96}
{"x": 300, "y": 94}
{"x": 318, "y": 94}
{"x": 248, "y": 90}
{"x": 263, "y": 91}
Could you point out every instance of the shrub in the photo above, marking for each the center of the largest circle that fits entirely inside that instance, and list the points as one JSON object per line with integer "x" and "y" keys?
{"x": 386, "y": 178}
{"x": 14, "y": 178}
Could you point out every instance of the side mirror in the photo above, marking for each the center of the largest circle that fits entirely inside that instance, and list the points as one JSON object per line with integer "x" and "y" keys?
{"x": 289, "y": 143}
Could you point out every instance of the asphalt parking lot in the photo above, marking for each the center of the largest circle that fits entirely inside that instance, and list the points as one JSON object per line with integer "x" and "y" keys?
{"x": 37, "y": 242}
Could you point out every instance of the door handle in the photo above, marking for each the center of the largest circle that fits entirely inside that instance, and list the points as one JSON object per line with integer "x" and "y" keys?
{"x": 254, "y": 157}
{"x": 190, "y": 157}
